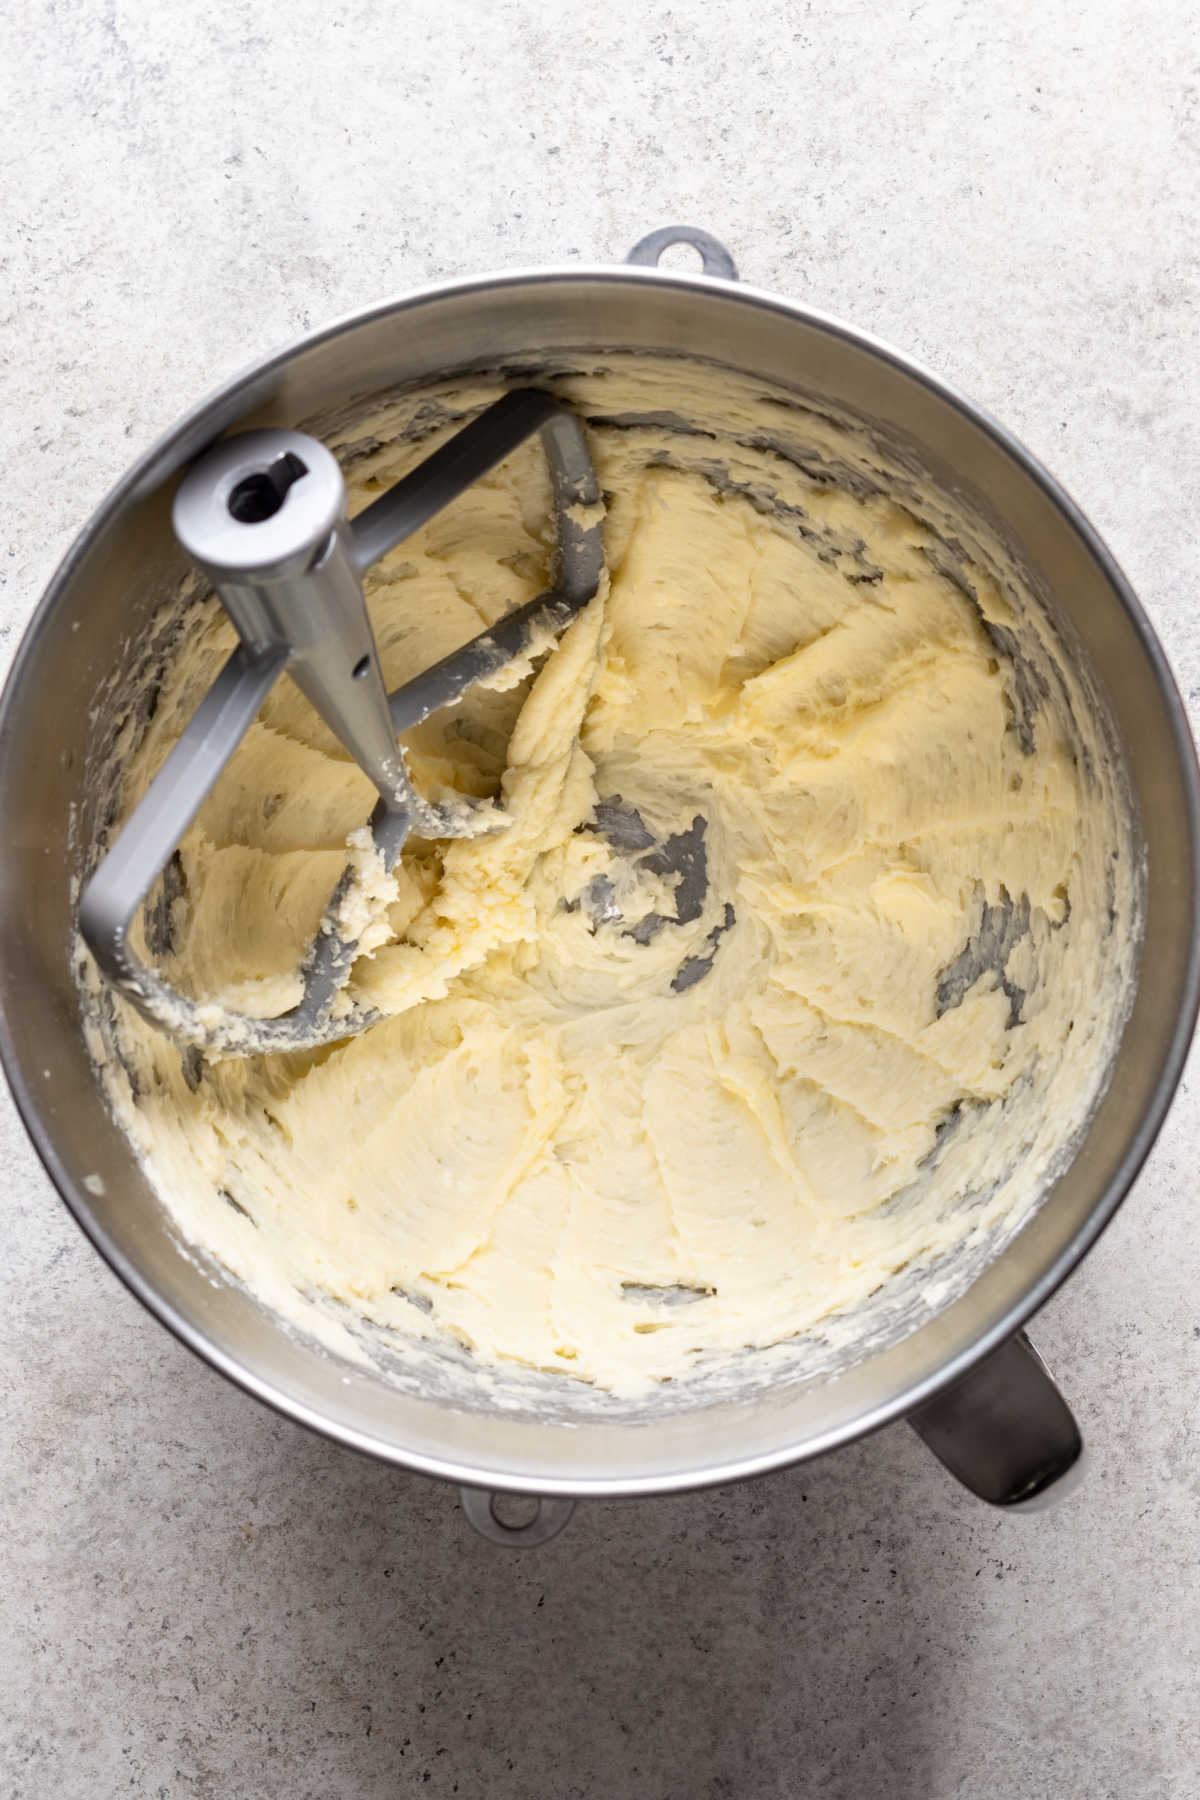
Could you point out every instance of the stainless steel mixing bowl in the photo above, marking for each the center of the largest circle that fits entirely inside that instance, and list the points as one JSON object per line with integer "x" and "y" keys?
{"x": 966, "y": 1377}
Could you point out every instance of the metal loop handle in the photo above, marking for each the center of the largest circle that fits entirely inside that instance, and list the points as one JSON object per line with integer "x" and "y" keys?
{"x": 715, "y": 259}
{"x": 551, "y": 1514}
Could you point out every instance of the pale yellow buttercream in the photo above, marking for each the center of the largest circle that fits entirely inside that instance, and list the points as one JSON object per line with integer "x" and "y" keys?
{"x": 902, "y": 981}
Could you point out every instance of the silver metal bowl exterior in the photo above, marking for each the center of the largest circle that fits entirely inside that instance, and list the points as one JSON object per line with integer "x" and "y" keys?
{"x": 126, "y": 558}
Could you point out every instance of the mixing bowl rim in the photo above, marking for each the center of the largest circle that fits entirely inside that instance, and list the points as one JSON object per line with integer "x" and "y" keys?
{"x": 895, "y": 1404}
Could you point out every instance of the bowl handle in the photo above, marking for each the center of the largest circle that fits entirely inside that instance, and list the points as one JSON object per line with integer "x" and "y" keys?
{"x": 1004, "y": 1430}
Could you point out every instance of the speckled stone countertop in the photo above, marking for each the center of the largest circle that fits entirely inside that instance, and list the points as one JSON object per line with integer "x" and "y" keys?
{"x": 200, "y": 1600}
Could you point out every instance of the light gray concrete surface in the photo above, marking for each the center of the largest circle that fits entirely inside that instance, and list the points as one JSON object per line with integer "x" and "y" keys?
{"x": 199, "y": 1600}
